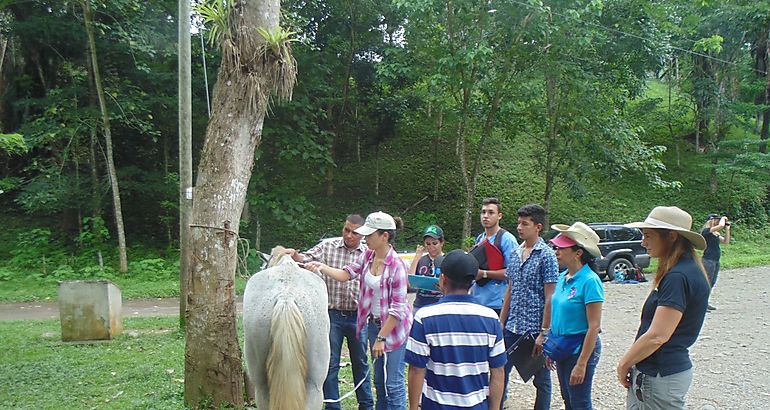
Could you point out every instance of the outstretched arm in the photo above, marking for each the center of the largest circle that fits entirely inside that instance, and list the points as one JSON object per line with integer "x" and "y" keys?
{"x": 339, "y": 275}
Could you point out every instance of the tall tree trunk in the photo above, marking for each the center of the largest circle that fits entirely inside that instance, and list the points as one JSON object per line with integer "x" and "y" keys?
{"x": 670, "y": 121}
{"x": 339, "y": 123}
{"x": 436, "y": 140}
{"x": 248, "y": 72}
{"x": 765, "y": 131}
{"x": 123, "y": 259}
{"x": 550, "y": 137}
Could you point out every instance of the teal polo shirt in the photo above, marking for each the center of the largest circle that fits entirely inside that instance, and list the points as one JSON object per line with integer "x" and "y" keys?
{"x": 569, "y": 300}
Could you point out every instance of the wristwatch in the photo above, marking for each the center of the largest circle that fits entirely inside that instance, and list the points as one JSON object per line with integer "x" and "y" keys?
{"x": 379, "y": 339}
{"x": 484, "y": 274}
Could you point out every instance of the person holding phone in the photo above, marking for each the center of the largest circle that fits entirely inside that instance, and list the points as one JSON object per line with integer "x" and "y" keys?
{"x": 711, "y": 231}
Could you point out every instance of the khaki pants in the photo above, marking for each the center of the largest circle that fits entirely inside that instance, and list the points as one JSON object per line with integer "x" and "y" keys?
{"x": 658, "y": 392}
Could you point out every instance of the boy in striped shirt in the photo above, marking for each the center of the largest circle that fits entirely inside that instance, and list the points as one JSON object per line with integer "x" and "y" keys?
{"x": 455, "y": 349}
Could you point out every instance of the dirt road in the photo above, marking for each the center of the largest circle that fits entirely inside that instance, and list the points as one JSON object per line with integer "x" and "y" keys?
{"x": 42, "y": 310}
{"x": 730, "y": 357}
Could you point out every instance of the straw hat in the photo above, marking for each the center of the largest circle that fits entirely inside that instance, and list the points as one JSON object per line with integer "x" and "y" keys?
{"x": 674, "y": 219}
{"x": 581, "y": 234}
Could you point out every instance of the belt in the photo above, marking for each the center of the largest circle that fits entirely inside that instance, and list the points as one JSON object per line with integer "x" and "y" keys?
{"x": 346, "y": 313}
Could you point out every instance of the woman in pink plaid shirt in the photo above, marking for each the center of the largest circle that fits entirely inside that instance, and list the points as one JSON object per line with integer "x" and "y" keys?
{"x": 383, "y": 304}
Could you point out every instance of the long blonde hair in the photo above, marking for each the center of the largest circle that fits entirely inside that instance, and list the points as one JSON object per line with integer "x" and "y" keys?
{"x": 677, "y": 248}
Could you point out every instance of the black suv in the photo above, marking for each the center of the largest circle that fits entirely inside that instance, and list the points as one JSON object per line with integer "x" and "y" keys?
{"x": 622, "y": 249}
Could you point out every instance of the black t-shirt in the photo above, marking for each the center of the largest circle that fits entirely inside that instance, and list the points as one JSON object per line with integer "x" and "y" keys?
{"x": 713, "y": 251}
{"x": 685, "y": 289}
{"x": 425, "y": 297}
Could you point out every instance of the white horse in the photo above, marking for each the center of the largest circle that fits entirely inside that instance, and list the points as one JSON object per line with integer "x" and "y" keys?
{"x": 286, "y": 328}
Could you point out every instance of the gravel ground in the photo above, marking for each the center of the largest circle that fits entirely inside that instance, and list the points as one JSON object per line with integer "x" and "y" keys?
{"x": 734, "y": 339}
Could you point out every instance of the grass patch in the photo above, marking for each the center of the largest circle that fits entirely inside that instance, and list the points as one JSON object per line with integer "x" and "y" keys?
{"x": 141, "y": 369}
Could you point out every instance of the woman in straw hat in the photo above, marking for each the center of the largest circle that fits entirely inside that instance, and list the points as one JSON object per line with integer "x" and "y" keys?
{"x": 573, "y": 345}
{"x": 656, "y": 369}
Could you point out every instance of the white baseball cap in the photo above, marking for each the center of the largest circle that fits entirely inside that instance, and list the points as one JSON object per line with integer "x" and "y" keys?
{"x": 376, "y": 221}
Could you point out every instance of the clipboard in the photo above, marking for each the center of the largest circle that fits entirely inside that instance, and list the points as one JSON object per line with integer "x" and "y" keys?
{"x": 423, "y": 282}
{"x": 520, "y": 354}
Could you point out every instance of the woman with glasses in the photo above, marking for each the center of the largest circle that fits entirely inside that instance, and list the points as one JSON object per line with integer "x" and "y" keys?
{"x": 656, "y": 369}
{"x": 425, "y": 263}
{"x": 382, "y": 303}
{"x": 572, "y": 345}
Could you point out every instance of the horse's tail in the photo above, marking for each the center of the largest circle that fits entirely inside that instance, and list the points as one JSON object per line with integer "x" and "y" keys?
{"x": 286, "y": 359}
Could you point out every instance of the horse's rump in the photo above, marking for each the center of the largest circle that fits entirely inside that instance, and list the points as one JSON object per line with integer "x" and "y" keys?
{"x": 286, "y": 327}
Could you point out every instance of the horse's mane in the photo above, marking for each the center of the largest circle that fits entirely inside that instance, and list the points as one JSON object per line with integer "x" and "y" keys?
{"x": 278, "y": 256}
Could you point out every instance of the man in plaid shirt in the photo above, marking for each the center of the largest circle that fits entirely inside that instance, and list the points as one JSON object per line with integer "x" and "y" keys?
{"x": 343, "y": 298}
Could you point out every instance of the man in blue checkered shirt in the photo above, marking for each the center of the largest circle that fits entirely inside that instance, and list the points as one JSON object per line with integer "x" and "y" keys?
{"x": 532, "y": 275}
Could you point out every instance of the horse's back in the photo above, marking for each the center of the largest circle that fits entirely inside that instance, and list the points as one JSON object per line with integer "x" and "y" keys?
{"x": 306, "y": 290}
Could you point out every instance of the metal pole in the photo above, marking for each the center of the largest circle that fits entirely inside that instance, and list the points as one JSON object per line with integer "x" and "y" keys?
{"x": 185, "y": 155}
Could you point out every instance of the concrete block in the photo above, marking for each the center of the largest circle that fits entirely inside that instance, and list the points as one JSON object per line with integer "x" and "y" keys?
{"x": 90, "y": 310}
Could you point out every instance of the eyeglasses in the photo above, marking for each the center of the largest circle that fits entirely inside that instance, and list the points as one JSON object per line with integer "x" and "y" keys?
{"x": 638, "y": 391}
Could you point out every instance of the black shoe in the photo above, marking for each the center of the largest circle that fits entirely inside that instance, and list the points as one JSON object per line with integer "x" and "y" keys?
{"x": 709, "y": 307}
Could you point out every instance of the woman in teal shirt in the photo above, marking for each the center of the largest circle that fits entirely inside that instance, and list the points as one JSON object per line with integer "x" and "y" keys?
{"x": 576, "y": 313}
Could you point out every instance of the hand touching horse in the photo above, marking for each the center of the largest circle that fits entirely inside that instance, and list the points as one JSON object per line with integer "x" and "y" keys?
{"x": 286, "y": 328}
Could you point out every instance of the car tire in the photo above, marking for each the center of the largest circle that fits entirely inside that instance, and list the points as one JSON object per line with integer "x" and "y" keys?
{"x": 619, "y": 265}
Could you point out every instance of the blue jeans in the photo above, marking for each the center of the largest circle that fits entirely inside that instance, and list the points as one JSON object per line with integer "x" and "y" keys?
{"x": 391, "y": 390}
{"x": 342, "y": 326}
{"x": 578, "y": 397}
{"x": 542, "y": 379}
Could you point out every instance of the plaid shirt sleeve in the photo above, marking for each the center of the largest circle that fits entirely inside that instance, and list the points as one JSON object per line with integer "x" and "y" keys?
{"x": 399, "y": 306}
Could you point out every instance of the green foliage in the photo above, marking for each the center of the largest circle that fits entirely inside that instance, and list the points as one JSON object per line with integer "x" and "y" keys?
{"x": 216, "y": 15}
{"x": 93, "y": 234}
{"x": 12, "y": 144}
{"x": 277, "y": 40}
{"x": 31, "y": 249}
{"x": 153, "y": 268}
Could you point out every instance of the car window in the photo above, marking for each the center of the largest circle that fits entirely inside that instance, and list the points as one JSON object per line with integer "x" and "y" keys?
{"x": 602, "y": 234}
{"x": 623, "y": 235}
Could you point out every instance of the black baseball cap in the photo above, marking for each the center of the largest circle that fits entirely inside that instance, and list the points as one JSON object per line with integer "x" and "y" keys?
{"x": 714, "y": 216}
{"x": 459, "y": 266}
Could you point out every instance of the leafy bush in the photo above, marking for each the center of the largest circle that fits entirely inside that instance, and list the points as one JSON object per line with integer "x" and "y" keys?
{"x": 153, "y": 268}
{"x": 35, "y": 249}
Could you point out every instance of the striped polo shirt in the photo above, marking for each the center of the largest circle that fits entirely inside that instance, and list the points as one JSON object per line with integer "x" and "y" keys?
{"x": 457, "y": 341}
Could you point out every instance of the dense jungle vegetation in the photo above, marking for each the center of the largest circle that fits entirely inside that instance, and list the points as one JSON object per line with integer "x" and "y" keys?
{"x": 599, "y": 110}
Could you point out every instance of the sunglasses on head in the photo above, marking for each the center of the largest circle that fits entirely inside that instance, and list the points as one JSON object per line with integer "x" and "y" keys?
{"x": 638, "y": 390}
{"x": 556, "y": 248}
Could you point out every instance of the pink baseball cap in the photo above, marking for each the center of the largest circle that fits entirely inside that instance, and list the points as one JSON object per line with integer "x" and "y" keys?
{"x": 563, "y": 241}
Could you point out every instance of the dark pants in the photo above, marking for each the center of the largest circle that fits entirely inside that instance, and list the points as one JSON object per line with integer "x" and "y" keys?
{"x": 712, "y": 270}
{"x": 578, "y": 397}
{"x": 542, "y": 378}
{"x": 343, "y": 325}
